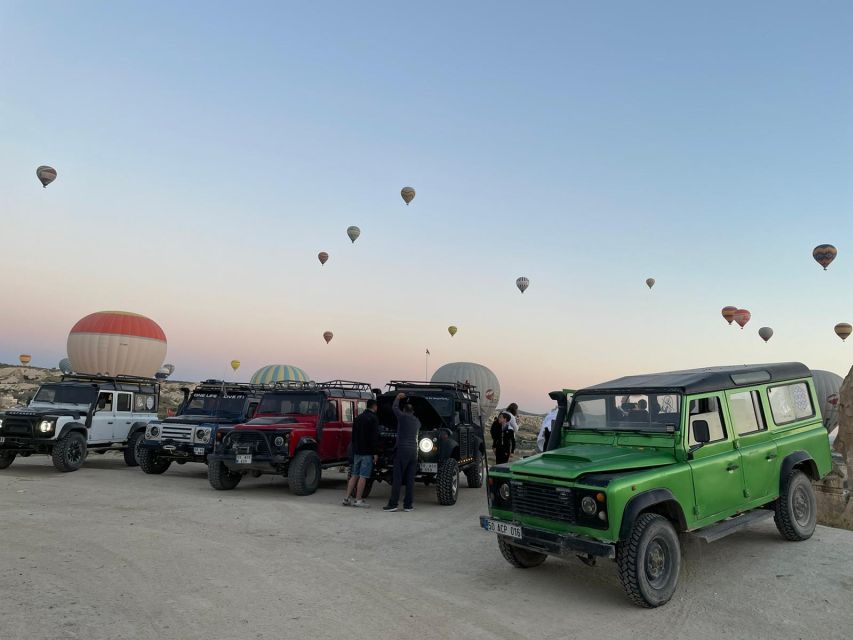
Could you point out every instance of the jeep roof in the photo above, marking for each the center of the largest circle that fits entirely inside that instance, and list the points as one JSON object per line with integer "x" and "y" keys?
{"x": 331, "y": 388}
{"x": 455, "y": 389}
{"x": 116, "y": 383}
{"x": 208, "y": 386}
{"x": 705, "y": 380}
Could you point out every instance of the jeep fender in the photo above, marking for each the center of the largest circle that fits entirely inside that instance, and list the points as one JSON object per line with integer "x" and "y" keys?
{"x": 69, "y": 427}
{"x": 135, "y": 427}
{"x": 306, "y": 442}
{"x": 797, "y": 459}
{"x": 446, "y": 447}
{"x": 660, "y": 501}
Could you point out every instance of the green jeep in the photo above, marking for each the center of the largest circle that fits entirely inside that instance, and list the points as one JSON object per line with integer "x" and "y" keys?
{"x": 645, "y": 458}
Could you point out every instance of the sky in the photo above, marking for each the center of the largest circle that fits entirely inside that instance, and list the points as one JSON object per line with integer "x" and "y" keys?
{"x": 207, "y": 152}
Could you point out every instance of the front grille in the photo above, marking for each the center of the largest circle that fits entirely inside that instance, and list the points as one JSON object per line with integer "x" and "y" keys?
{"x": 248, "y": 441}
{"x": 176, "y": 432}
{"x": 544, "y": 501}
{"x": 15, "y": 426}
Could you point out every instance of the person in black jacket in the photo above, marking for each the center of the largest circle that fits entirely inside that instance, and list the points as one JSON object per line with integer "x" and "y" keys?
{"x": 503, "y": 438}
{"x": 365, "y": 450}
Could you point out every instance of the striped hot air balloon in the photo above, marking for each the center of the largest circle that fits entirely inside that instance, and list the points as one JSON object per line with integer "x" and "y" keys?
{"x": 25, "y": 358}
{"x": 742, "y": 316}
{"x": 408, "y": 194}
{"x": 117, "y": 343}
{"x": 279, "y": 373}
{"x": 46, "y": 175}
{"x": 729, "y": 313}
{"x": 843, "y": 330}
{"x": 522, "y": 283}
{"x": 824, "y": 254}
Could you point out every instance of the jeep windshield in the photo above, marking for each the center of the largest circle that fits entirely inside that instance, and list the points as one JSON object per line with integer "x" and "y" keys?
{"x": 67, "y": 394}
{"x": 443, "y": 405}
{"x": 641, "y": 411}
{"x": 290, "y": 404}
{"x": 217, "y": 405}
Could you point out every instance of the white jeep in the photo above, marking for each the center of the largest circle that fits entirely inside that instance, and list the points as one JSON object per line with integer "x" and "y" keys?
{"x": 81, "y": 413}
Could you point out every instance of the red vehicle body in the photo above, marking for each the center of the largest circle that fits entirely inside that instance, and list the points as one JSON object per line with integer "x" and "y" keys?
{"x": 299, "y": 429}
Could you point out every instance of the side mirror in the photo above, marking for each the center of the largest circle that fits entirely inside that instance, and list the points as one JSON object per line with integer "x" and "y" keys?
{"x": 701, "y": 432}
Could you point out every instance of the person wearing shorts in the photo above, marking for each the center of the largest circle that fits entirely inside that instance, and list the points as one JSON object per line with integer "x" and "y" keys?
{"x": 365, "y": 449}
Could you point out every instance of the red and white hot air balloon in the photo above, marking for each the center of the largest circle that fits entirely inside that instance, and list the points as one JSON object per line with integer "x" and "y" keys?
{"x": 117, "y": 343}
{"x": 742, "y": 316}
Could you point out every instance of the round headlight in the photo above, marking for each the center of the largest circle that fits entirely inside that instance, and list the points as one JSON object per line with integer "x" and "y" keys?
{"x": 155, "y": 431}
{"x": 203, "y": 434}
{"x": 279, "y": 441}
{"x": 426, "y": 445}
{"x": 45, "y": 426}
{"x": 503, "y": 491}
{"x": 588, "y": 505}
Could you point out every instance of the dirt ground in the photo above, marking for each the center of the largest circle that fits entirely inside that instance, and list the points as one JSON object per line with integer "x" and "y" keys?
{"x": 108, "y": 552}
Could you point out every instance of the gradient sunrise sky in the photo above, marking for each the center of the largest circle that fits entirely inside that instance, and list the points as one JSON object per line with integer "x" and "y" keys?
{"x": 207, "y": 151}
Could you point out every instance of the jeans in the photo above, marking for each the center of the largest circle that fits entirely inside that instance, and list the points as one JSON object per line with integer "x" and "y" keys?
{"x": 405, "y": 467}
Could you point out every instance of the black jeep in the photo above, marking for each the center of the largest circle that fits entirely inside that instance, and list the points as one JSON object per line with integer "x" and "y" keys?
{"x": 451, "y": 437}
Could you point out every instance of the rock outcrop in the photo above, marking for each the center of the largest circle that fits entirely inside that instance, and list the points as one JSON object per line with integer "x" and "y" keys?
{"x": 835, "y": 506}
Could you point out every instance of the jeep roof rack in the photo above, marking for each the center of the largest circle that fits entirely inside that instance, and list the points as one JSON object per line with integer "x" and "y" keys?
{"x": 86, "y": 377}
{"x": 348, "y": 388}
{"x": 465, "y": 387}
{"x": 249, "y": 386}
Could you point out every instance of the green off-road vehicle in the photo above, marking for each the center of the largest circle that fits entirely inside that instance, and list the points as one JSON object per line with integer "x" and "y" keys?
{"x": 635, "y": 462}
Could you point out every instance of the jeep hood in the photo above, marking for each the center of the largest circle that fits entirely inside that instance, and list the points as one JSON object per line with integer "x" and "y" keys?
{"x": 570, "y": 462}
{"x": 42, "y": 412}
{"x": 195, "y": 419}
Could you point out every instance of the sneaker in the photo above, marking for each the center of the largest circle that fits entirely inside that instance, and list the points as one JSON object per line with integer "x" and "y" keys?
{"x": 407, "y": 509}
{"x": 389, "y": 508}
{"x": 360, "y": 503}
{"x": 347, "y": 501}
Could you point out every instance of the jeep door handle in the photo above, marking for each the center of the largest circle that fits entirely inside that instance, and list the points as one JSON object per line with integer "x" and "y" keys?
{"x": 771, "y": 456}
{"x": 732, "y": 467}
{"x": 109, "y": 422}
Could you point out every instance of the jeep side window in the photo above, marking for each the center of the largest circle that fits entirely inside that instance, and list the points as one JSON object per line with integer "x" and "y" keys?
{"x": 331, "y": 414}
{"x": 362, "y": 407}
{"x": 709, "y": 410}
{"x": 347, "y": 411}
{"x": 250, "y": 412}
{"x": 790, "y": 402}
{"x": 105, "y": 402}
{"x": 746, "y": 412}
{"x": 123, "y": 403}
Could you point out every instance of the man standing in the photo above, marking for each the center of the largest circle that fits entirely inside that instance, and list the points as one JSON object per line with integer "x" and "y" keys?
{"x": 365, "y": 449}
{"x": 405, "y": 454}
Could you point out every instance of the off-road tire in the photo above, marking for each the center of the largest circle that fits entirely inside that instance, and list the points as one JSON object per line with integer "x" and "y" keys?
{"x": 475, "y": 473}
{"x": 304, "y": 473}
{"x": 518, "y": 557}
{"x": 69, "y": 453}
{"x": 130, "y": 452}
{"x": 649, "y": 561}
{"x": 6, "y": 459}
{"x": 447, "y": 482}
{"x": 222, "y": 478}
{"x": 796, "y": 509}
{"x": 150, "y": 462}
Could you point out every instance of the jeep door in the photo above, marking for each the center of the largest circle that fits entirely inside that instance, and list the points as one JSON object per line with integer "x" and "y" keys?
{"x": 346, "y": 428}
{"x": 716, "y": 466}
{"x": 123, "y": 415}
{"x": 103, "y": 420}
{"x": 757, "y": 448}
{"x": 329, "y": 441}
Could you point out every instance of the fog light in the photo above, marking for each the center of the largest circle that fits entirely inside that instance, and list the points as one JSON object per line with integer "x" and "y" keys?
{"x": 504, "y": 491}
{"x": 588, "y": 505}
{"x": 602, "y": 515}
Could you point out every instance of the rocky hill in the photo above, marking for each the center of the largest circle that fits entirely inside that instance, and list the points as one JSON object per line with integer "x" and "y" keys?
{"x": 18, "y": 383}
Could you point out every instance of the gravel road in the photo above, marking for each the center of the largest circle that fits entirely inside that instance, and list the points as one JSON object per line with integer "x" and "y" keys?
{"x": 108, "y": 552}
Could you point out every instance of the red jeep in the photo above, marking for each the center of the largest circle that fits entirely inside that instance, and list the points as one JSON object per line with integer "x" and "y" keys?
{"x": 299, "y": 429}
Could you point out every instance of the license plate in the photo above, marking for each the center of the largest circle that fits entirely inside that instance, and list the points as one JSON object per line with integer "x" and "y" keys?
{"x": 244, "y": 458}
{"x": 199, "y": 451}
{"x": 503, "y": 528}
{"x": 428, "y": 467}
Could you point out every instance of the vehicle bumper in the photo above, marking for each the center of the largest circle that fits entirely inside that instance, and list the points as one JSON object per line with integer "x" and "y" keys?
{"x": 263, "y": 463}
{"x": 16, "y": 444}
{"x": 556, "y": 544}
{"x": 178, "y": 450}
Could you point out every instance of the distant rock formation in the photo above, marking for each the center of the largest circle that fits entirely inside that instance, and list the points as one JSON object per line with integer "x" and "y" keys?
{"x": 835, "y": 505}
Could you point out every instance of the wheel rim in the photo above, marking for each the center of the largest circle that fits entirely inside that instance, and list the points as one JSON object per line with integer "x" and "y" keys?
{"x": 658, "y": 563}
{"x": 74, "y": 453}
{"x": 801, "y": 506}
{"x": 311, "y": 474}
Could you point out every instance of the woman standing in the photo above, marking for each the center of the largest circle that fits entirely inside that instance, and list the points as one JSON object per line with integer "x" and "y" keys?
{"x": 503, "y": 437}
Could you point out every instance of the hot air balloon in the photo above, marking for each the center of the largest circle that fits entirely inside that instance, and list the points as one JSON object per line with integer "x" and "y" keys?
{"x": 824, "y": 254}
{"x": 279, "y": 373}
{"x": 353, "y": 233}
{"x": 235, "y": 364}
{"x": 46, "y": 175}
{"x": 522, "y": 283}
{"x": 765, "y": 333}
{"x": 729, "y": 313}
{"x": 65, "y": 366}
{"x": 117, "y": 343}
{"x": 742, "y": 316}
{"x": 25, "y": 358}
{"x": 322, "y": 257}
{"x": 843, "y": 330}
{"x": 827, "y": 386}
{"x": 408, "y": 194}
{"x": 452, "y": 330}
{"x": 650, "y": 282}
{"x": 477, "y": 374}
{"x": 327, "y": 336}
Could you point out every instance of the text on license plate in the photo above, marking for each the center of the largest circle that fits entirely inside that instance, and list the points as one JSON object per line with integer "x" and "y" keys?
{"x": 199, "y": 451}
{"x": 244, "y": 458}
{"x": 503, "y": 528}
{"x": 428, "y": 467}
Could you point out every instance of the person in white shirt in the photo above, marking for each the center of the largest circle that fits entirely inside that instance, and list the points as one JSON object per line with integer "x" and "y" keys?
{"x": 512, "y": 410}
{"x": 545, "y": 429}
